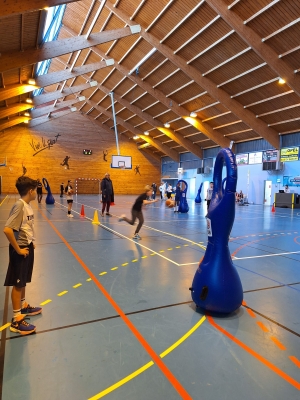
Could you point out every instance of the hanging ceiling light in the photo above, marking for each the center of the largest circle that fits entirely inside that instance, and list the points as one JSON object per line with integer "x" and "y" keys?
{"x": 167, "y": 125}
{"x": 135, "y": 137}
{"x": 281, "y": 81}
{"x": 193, "y": 114}
{"x": 146, "y": 133}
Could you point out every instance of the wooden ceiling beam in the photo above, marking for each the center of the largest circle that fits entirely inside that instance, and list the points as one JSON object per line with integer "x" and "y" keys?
{"x": 12, "y": 60}
{"x": 14, "y": 109}
{"x": 46, "y": 97}
{"x": 177, "y": 137}
{"x": 38, "y": 112}
{"x": 12, "y": 122}
{"x": 9, "y": 7}
{"x": 161, "y": 147}
{"x": 206, "y": 129}
{"x": 234, "y": 106}
{"x": 49, "y": 79}
{"x": 282, "y": 69}
{"x": 151, "y": 154}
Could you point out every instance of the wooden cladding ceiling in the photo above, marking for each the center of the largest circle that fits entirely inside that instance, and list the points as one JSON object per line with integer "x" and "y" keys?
{"x": 221, "y": 59}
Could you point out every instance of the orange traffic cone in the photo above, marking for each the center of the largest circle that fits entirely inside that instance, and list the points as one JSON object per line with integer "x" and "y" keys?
{"x": 273, "y": 208}
{"x": 96, "y": 220}
{"x": 82, "y": 214}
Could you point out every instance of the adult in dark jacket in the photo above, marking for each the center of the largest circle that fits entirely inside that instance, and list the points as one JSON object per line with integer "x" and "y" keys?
{"x": 107, "y": 191}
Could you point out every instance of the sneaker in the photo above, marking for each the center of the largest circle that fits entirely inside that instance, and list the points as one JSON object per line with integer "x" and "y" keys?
{"x": 21, "y": 326}
{"x": 122, "y": 217}
{"x": 29, "y": 310}
{"x": 70, "y": 216}
{"x": 102, "y": 215}
{"x": 110, "y": 215}
{"x": 136, "y": 236}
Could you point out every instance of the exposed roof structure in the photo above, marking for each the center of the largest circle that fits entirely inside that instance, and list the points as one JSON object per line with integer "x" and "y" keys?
{"x": 163, "y": 60}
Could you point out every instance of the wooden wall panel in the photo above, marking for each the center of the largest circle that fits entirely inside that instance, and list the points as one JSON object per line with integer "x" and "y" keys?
{"x": 21, "y": 145}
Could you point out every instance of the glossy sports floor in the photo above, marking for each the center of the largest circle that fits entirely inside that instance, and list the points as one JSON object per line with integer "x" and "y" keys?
{"x": 118, "y": 321}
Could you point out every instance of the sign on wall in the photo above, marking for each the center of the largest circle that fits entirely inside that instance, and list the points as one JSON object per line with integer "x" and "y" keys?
{"x": 242, "y": 159}
{"x": 255, "y": 158}
{"x": 270, "y": 156}
{"x": 289, "y": 154}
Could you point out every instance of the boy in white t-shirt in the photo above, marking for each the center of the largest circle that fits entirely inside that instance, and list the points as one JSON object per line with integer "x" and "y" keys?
{"x": 19, "y": 230}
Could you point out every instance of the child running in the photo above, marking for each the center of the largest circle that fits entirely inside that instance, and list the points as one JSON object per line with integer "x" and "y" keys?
{"x": 136, "y": 211}
{"x": 19, "y": 231}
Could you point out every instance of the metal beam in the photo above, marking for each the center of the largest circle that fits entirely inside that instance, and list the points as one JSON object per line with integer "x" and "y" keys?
{"x": 282, "y": 69}
{"x": 161, "y": 147}
{"x": 8, "y": 7}
{"x": 14, "y": 109}
{"x": 234, "y": 106}
{"x": 12, "y": 60}
{"x": 43, "y": 119}
{"x": 38, "y": 112}
{"x": 46, "y": 97}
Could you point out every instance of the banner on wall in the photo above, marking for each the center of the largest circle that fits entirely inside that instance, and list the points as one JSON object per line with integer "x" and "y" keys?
{"x": 270, "y": 156}
{"x": 242, "y": 159}
{"x": 255, "y": 158}
{"x": 291, "y": 180}
{"x": 289, "y": 154}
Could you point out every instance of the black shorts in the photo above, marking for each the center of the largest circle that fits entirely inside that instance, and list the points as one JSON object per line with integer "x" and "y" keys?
{"x": 69, "y": 201}
{"x": 19, "y": 271}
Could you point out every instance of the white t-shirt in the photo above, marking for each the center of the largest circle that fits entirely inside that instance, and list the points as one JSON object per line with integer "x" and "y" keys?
{"x": 69, "y": 196}
{"x": 21, "y": 220}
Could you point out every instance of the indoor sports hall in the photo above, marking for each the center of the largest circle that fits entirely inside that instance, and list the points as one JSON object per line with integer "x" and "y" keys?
{"x": 183, "y": 115}
{"x": 118, "y": 320}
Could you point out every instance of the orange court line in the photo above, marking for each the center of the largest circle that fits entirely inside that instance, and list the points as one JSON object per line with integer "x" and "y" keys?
{"x": 250, "y": 312}
{"x": 278, "y": 343}
{"x": 295, "y": 361}
{"x": 262, "y": 326}
{"x": 253, "y": 353}
{"x": 164, "y": 369}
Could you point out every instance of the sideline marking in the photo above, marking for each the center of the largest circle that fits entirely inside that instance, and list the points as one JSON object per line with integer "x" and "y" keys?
{"x": 163, "y": 368}
{"x": 2, "y": 203}
{"x": 267, "y": 255}
{"x": 62, "y": 293}
{"x": 253, "y": 353}
{"x": 77, "y": 285}
{"x": 149, "y": 364}
{"x": 4, "y": 326}
{"x": 295, "y": 361}
{"x": 45, "y": 302}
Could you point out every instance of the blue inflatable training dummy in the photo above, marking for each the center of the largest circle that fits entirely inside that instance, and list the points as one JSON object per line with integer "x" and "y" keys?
{"x": 183, "y": 205}
{"x": 49, "y": 198}
{"x": 217, "y": 286}
{"x": 198, "y": 197}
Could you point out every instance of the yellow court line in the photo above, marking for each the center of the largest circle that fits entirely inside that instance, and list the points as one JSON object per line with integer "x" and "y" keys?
{"x": 102, "y": 273}
{"x": 89, "y": 279}
{"x": 144, "y": 256}
{"x": 77, "y": 285}
{"x": 3, "y": 200}
{"x": 149, "y": 364}
{"x": 124, "y": 265}
{"x": 45, "y": 302}
{"x": 112, "y": 269}
{"x": 135, "y": 260}
{"x": 4, "y": 326}
{"x": 62, "y": 293}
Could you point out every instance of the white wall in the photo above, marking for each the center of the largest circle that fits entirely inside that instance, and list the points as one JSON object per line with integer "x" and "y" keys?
{"x": 256, "y": 179}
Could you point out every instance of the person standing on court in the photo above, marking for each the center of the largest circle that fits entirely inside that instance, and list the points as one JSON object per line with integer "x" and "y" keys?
{"x": 107, "y": 191}
{"x": 39, "y": 191}
{"x": 169, "y": 191}
{"x": 69, "y": 192}
{"x": 154, "y": 188}
{"x": 162, "y": 190}
{"x": 61, "y": 190}
{"x": 136, "y": 211}
{"x": 209, "y": 194}
{"x": 177, "y": 197}
{"x": 19, "y": 230}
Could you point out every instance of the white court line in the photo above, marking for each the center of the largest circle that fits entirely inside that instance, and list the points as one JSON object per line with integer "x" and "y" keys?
{"x": 267, "y": 255}
{"x": 125, "y": 237}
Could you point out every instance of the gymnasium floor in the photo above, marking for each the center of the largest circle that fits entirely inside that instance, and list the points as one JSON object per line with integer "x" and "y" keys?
{"x": 118, "y": 321}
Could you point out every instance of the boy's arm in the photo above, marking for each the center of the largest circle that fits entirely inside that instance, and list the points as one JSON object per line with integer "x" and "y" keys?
{"x": 149, "y": 201}
{"x": 9, "y": 233}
